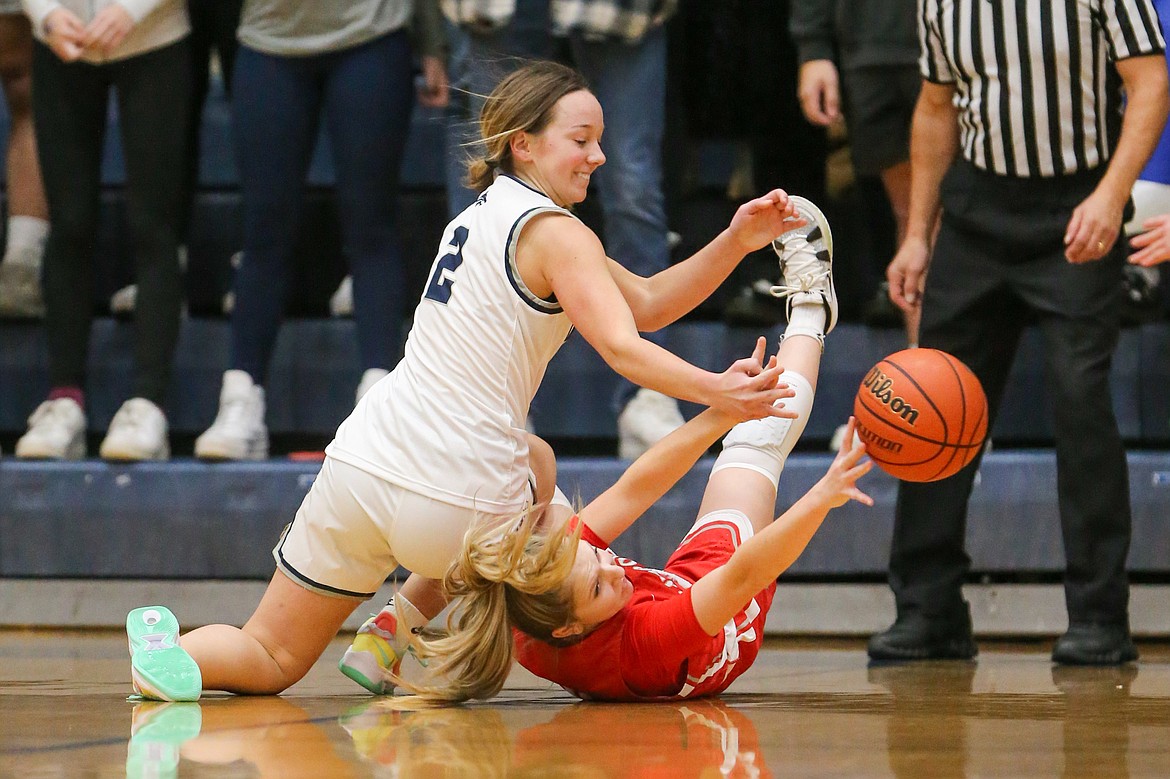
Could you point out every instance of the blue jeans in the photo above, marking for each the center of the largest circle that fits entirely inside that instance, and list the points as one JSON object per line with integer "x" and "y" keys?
{"x": 366, "y": 94}
{"x": 630, "y": 83}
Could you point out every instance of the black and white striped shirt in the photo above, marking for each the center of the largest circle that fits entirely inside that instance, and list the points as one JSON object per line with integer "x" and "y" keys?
{"x": 1035, "y": 87}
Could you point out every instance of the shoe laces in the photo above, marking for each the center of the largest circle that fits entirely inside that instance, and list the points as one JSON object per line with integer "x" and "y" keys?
{"x": 804, "y": 263}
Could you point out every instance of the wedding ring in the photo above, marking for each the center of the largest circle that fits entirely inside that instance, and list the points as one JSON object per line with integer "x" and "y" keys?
{"x": 1100, "y": 246}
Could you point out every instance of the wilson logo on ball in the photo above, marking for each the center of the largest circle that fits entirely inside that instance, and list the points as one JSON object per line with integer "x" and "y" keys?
{"x": 921, "y": 413}
{"x": 881, "y": 387}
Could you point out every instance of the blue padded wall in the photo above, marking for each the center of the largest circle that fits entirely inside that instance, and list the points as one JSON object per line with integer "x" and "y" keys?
{"x": 186, "y": 519}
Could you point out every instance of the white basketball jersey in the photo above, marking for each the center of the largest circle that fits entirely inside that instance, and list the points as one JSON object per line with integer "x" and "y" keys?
{"x": 448, "y": 422}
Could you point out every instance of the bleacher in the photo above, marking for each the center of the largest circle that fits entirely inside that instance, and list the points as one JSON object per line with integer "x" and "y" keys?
{"x": 180, "y": 523}
{"x": 187, "y": 521}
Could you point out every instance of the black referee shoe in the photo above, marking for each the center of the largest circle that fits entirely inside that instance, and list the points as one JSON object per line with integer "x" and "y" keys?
{"x": 917, "y": 637}
{"x": 1090, "y": 643}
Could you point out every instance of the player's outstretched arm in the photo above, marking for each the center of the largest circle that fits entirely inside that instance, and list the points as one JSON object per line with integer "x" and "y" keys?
{"x": 654, "y": 473}
{"x": 722, "y": 594}
{"x": 664, "y": 297}
{"x": 563, "y": 257}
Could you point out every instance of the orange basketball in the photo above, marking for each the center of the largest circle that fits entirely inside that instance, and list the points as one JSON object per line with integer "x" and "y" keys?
{"x": 922, "y": 414}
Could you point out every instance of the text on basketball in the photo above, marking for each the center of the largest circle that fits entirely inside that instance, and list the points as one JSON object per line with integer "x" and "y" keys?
{"x": 881, "y": 387}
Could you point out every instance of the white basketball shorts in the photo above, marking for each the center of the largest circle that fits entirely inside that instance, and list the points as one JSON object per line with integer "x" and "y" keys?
{"x": 354, "y": 529}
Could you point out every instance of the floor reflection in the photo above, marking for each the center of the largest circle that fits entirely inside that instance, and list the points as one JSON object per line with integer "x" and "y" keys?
{"x": 805, "y": 710}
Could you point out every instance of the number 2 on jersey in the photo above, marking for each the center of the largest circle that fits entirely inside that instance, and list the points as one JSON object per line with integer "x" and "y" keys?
{"x": 439, "y": 287}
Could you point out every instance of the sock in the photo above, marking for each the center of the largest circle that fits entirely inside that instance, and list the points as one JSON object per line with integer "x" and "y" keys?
{"x": 73, "y": 393}
{"x": 399, "y": 618}
{"x": 763, "y": 445}
{"x": 807, "y": 319}
{"x": 26, "y": 239}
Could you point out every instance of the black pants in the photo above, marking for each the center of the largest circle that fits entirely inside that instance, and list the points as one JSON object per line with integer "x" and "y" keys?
{"x": 213, "y": 28}
{"x": 69, "y": 111}
{"x": 998, "y": 264}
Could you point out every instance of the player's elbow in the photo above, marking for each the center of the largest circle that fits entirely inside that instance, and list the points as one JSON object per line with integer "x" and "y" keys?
{"x": 623, "y": 354}
{"x": 651, "y": 322}
{"x": 648, "y": 317}
{"x": 744, "y": 579}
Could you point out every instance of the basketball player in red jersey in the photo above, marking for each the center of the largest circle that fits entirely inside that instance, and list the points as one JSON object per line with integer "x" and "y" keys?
{"x": 607, "y": 628}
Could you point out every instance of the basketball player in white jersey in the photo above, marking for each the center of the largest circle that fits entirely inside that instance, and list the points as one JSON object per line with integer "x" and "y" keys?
{"x": 440, "y": 442}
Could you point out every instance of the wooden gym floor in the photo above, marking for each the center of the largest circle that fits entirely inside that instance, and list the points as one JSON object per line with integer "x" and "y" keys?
{"x": 808, "y": 708}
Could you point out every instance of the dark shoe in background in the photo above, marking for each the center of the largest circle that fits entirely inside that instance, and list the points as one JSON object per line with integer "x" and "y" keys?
{"x": 755, "y": 306}
{"x": 918, "y": 637}
{"x": 1142, "y": 302}
{"x": 880, "y": 311}
{"x": 1090, "y": 643}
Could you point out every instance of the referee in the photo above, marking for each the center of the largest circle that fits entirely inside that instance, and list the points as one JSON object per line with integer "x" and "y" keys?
{"x": 1020, "y": 139}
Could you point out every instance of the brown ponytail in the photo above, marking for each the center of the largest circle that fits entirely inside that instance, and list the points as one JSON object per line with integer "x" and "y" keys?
{"x": 523, "y": 101}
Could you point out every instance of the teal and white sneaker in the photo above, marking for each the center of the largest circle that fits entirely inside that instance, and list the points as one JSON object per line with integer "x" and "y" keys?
{"x": 160, "y": 668}
{"x": 157, "y": 730}
{"x": 806, "y": 262}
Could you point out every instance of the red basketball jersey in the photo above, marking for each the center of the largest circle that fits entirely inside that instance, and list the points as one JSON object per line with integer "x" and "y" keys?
{"x": 654, "y": 647}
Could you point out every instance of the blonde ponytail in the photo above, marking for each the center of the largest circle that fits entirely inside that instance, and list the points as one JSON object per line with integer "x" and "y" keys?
{"x": 510, "y": 575}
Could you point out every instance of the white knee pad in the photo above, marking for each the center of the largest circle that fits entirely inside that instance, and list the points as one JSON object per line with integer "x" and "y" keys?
{"x": 763, "y": 445}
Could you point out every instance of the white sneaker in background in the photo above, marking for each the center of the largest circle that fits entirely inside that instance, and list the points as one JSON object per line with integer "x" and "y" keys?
{"x": 837, "y": 438}
{"x": 371, "y": 377}
{"x": 56, "y": 431}
{"x": 239, "y": 432}
{"x": 341, "y": 301}
{"x": 648, "y": 418}
{"x": 124, "y": 301}
{"x": 137, "y": 432}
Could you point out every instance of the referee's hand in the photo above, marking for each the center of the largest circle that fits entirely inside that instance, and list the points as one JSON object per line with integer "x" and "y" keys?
{"x": 906, "y": 274}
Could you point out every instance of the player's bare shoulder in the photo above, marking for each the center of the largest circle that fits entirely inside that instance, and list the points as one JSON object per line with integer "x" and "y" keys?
{"x": 555, "y": 233}
{"x": 550, "y": 239}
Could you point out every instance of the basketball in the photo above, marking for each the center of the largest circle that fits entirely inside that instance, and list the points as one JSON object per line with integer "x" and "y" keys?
{"x": 922, "y": 414}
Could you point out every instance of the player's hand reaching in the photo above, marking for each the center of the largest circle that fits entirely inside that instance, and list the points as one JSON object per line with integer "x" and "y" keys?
{"x": 1153, "y": 245}
{"x": 758, "y": 221}
{"x": 749, "y": 389}
{"x": 839, "y": 485}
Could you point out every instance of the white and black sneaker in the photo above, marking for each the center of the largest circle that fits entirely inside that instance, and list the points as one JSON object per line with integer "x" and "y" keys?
{"x": 806, "y": 262}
